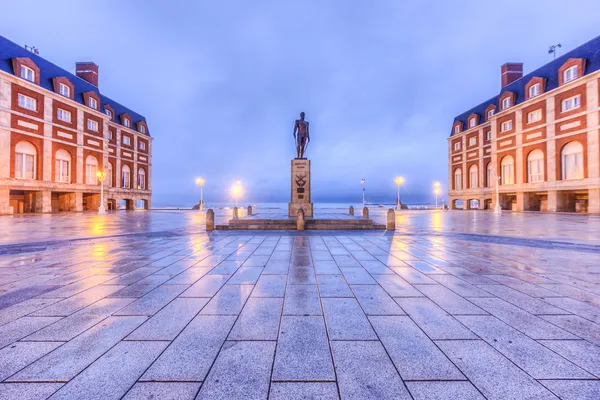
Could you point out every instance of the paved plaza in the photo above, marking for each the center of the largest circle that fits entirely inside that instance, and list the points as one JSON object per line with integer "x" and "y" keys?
{"x": 148, "y": 305}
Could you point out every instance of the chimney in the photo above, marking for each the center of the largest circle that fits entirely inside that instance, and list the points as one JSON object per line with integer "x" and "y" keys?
{"x": 511, "y": 72}
{"x": 88, "y": 71}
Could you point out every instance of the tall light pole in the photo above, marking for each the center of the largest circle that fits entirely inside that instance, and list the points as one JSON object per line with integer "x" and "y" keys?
{"x": 236, "y": 191}
{"x": 437, "y": 190}
{"x": 399, "y": 181}
{"x": 200, "y": 182}
{"x": 497, "y": 208}
{"x": 101, "y": 175}
{"x": 362, "y": 182}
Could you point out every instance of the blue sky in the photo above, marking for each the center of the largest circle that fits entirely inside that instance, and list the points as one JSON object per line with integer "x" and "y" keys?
{"x": 221, "y": 82}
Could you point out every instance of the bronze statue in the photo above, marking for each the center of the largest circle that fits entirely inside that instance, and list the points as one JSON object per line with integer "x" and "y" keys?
{"x": 301, "y": 135}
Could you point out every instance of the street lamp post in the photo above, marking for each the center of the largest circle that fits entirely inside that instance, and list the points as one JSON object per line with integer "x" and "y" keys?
{"x": 200, "y": 182}
{"x": 497, "y": 208}
{"x": 399, "y": 181}
{"x": 437, "y": 190}
{"x": 362, "y": 182}
{"x": 101, "y": 175}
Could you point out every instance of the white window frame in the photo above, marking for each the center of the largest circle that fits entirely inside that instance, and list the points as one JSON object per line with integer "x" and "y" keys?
{"x": 576, "y": 160}
{"x": 63, "y": 115}
{"x": 142, "y": 129}
{"x": 488, "y": 135}
{"x": 26, "y": 102}
{"x": 535, "y": 166}
{"x": 125, "y": 177}
{"x": 458, "y": 179}
{"x": 142, "y": 145}
{"x": 109, "y": 113}
{"x": 92, "y": 125}
{"x": 490, "y": 113}
{"x": 62, "y": 169}
{"x": 126, "y": 140}
{"x": 109, "y": 174}
{"x": 508, "y": 169}
{"x": 141, "y": 184}
{"x": 571, "y": 103}
{"x": 488, "y": 171}
{"x": 27, "y": 73}
{"x": 127, "y": 123}
{"x": 506, "y": 103}
{"x": 25, "y": 158}
{"x": 471, "y": 122}
{"x": 534, "y": 116}
{"x": 110, "y": 135}
{"x": 90, "y": 171}
{"x": 64, "y": 90}
{"x": 93, "y": 103}
{"x": 456, "y": 146}
{"x": 534, "y": 90}
{"x": 473, "y": 177}
{"x": 570, "y": 74}
{"x": 472, "y": 141}
{"x": 506, "y": 126}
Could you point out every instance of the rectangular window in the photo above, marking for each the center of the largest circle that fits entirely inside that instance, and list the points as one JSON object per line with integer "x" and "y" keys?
{"x": 534, "y": 90}
{"x": 570, "y": 74}
{"x": 62, "y": 171}
{"x": 536, "y": 170}
{"x": 507, "y": 174}
{"x": 127, "y": 140}
{"x": 142, "y": 129}
{"x": 457, "y": 146}
{"x": 110, "y": 135}
{"x": 489, "y": 177}
{"x": 24, "y": 166}
{"x": 490, "y": 113}
{"x": 142, "y": 145}
{"x": 63, "y": 115}
{"x": 109, "y": 113}
{"x": 534, "y": 116}
{"x": 505, "y": 103}
{"x": 27, "y": 73}
{"x": 571, "y": 103}
{"x": 127, "y": 123}
{"x": 472, "y": 141}
{"x": 471, "y": 122}
{"x": 572, "y": 166}
{"x": 488, "y": 135}
{"x": 90, "y": 174}
{"x": 64, "y": 90}
{"x": 27, "y": 102}
{"x": 92, "y": 125}
{"x": 506, "y": 126}
{"x": 473, "y": 179}
{"x": 93, "y": 103}
{"x": 125, "y": 179}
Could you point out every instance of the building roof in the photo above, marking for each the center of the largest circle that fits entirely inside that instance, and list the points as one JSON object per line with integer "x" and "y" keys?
{"x": 48, "y": 70}
{"x": 589, "y": 51}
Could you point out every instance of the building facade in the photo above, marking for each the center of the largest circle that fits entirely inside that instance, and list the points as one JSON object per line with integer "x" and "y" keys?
{"x": 57, "y": 131}
{"x": 538, "y": 139}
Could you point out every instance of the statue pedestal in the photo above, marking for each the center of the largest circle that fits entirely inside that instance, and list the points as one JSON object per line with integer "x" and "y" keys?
{"x": 300, "y": 195}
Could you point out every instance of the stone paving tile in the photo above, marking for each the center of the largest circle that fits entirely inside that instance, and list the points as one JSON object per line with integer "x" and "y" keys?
{"x": 529, "y": 324}
{"x": 79, "y": 286}
{"x": 577, "y": 307}
{"x": 345, "y": 320}
{"x": 303, "y": 350}
{"x": 276, "y": 267}
{"x": 16, "y": 296}
{"x": 21, "y": 354}
{"x": 440, "y": 390}
{"x": 102, "y": 380}
{"x": 365, "y": 371}
{"x": 395, "y": 286}
{"x": 326, "y": 267}
{"x": 28, "y": 391}
{"x": 259, "y": 320}
{"x": 189, "y": 276}
{"x": 333, "y": 286}
{"x": 228, "y": 301}
{"x": 434, "y": 321}
{"x": 460, "y": 287}
{"x": 168, "y": 322}
{"x": 521, "y": 300}
{"x": 245, "y": 275}
{"x": 226, "y": 268}
{"x": 415, "y": 356}
{"x": 578, "y": 326}
{"x": 75, "y": 303}
{"x": 72, "y": 357}
{"x": 375, "y": 301}
{"x": 23, "y": 308}
{"x": 231, "y": 379}
{"x": 207, "y": 286}
{"x": 425, "y": 267}
{"x": 302, "y": 300}
{"x": 574, "y": 390}
{"x": 190, "y": 356}
{"x": 413, "y": 276}
{"x": 376, "y": 267}
{"x": 163, "y": 391}
{"x": 142, "y": 286}
{"x": 133, "y": 276}
{"x": 522, "y": 286}
{"x": 152, "y": 302}
{"x": 449, "y": 301}
{"x": 303, "y": 391}
{"x": 579, "y": 352}
{"x": 532, "y": 357}
{"x": 270, "y": 286}
{"x": 22, "y": 327}
{"x": 495, "y": 376}
{"x": 357, "y": 276}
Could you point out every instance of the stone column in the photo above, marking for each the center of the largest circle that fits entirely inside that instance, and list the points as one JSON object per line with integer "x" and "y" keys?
{"x": 552, "y": 201}
{"x": 391, "y": 220}
{"x": 235, "y": 213}
{"x": 5, "y": 201}
{"x": 249, "y": 210}
{"x": 594, "y": 201}
{"x": 210, "y": 220}
{"x": 78, "y": 201}
{"x": 300, "y": 220}
{"x": 351, "y": 210}
{"x": 523, "y": 201}
{"x": 365, "y": 212}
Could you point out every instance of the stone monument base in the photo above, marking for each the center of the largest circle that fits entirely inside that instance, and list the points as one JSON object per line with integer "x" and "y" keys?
{"x": 294, "y": 207}
{"x": 300, "y": 189}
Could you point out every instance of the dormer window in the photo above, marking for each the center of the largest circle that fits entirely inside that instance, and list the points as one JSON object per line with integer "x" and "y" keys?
{"x": 471, "y": 122}
{"x": 93, "y": 103}
{"x": 127, "y": 123}
{"x": 534, "y": 90}
{"x": 505, "y": 103}
{"x": 490, "y": 113}
{"x": 27, "y": 73}
{"x": 142, "y": 129}
{"x": 64, "y": 90}
{"x": 457, "y": 129}
{"x": 569, "y": 74}
{"x": 109, "y": 113}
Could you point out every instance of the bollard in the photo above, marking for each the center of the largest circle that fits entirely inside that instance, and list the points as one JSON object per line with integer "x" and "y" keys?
{"x": 210, "y": 220}
{"x": 249, "y": 210}
{"x": 300, "y": 220}
{"x": 235, "y": 213}
{"x": 391, "y": 220}
{"x": 365, "y": 212}
{"x": 351, "y": 210}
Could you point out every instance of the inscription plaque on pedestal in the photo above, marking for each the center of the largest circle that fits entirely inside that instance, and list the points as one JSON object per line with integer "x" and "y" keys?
{"x": 300, "y": 195}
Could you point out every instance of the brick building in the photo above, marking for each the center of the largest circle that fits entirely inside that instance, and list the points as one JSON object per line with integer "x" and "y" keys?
{"x": 540, "y": 134}
{"x": 57, "y": 130}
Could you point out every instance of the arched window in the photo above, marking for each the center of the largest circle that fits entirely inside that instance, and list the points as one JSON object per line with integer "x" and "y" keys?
{"x": 25, "y": 161}
{"x": 141, "y": 178}
{"x": 457, "y": 179}
{"x": 62, "y": 166}
{"x": 109, "y": 174}
{"x": 488, "y": 174}
{"x": 91, "y": 167}
{"x": 473, "y": 177}
{"x": 126, "y": 177}
{"x": 535, "y": 166}
{"x": 572, "y": 161}
{"x": 508, "y": 167}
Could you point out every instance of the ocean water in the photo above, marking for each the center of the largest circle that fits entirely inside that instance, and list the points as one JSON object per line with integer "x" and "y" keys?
{"x": 284, "y": 206}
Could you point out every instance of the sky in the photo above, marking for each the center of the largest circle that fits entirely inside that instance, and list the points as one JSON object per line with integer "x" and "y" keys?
{"x": 221, "y": 82}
